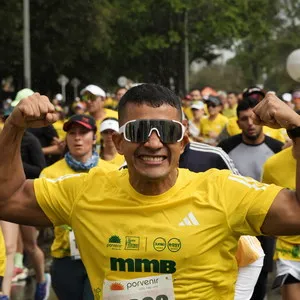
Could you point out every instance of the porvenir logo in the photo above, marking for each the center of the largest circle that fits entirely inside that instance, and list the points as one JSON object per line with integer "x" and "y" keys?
{"x": 114, "y": 242}
{"x": 116, "y": 286}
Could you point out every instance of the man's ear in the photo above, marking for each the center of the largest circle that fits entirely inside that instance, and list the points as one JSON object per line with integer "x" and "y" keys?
{"x": 184, "y": 142}
{"x": 118, "y": 141}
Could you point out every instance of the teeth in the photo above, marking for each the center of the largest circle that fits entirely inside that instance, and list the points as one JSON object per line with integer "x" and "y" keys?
{"x": 152, "y": 158}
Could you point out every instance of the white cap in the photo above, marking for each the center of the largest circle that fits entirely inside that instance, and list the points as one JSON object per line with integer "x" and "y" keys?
{"x": 93, "y": 89}
{"x": 109, "y": 124}
{"x": 287, "y": 97}
{"x": 197, "y": 105}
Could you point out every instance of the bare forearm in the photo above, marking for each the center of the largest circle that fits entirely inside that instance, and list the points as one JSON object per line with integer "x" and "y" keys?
{"x": 11, "y": 168}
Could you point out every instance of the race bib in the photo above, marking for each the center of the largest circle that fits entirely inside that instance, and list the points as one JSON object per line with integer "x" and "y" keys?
{"x": 73, "y": 246}
{"x": 146, "y": 288}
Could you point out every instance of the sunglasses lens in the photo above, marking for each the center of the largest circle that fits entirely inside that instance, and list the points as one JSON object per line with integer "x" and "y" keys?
{"x": 88, "y": 97}
{"x": 139, "y": 130}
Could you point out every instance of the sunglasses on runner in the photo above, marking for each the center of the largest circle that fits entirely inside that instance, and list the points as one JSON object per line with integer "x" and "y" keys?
{"x": 87, "y": 97}
{"x": 139, "y": 131}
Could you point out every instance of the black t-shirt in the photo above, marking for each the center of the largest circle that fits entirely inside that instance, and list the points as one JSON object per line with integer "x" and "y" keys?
{"x": 46, "y": 135}
{"x": 32, "y": 156}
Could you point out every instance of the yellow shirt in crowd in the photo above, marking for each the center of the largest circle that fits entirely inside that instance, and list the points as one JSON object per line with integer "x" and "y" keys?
{"x": 110, "y": 103}
{"x": 58, "y": 126}
{"x": 230, "y": 112}
{"x": 61, "y": 245}
{"x": 280, "y": 169}
{"x": 118, "y": 160}
{"x": 189, "y": 233}
{"x": 215, "y": 126}
{"x": 2, "y": 255}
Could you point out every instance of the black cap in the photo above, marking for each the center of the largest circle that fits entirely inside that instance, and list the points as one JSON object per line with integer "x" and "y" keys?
{"x": 84, "y": 120}
{"x": 253, "y": 90}
{"x": 214, "y": 100}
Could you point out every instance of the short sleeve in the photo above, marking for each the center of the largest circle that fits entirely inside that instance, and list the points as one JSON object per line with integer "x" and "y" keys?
{"x": 266, "y": 174}
{"x": 246, "y": 202}
{"x": 57, "y": 196}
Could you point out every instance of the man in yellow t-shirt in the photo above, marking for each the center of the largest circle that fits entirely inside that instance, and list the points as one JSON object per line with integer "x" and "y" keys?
{"x": 211, "y": 127}
{"x": 280, "y": 169}
{"x": 95, "y": 97}
{"x": 230, "y": 111}
{"x": 153, "y": 230}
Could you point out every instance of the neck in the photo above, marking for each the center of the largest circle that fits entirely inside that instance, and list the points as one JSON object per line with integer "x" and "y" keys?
{"x": 212, "y": 117}
{"x": 153, "y": 187}
{"x": 257, "y": 141}
{"x": 99, "y": 114}
{"x": 109, "y": 152}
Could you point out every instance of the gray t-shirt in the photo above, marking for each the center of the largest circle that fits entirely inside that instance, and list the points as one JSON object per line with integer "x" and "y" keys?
{"x": 249, "y": 159}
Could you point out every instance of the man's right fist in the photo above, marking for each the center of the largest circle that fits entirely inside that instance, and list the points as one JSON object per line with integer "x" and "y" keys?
{"x": 33, "y": 111}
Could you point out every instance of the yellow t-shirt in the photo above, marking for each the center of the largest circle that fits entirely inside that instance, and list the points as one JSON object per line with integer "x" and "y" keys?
{"x": 2, "y": 255}
{"x": 61, "y": 245}
{"x": 249, "y": 250}
{"x": 280, "y": 169}
{"x": 118, "y": 160}
{"x": 276, "y": 134}
{"x": 110, "y": 103}
{"x": 215, "y": 126}
{"x": 58, "y": 126}
{"x": 109, "y": 113}
{"x": 191, "y": 231}
{"x": 232, "y": 127}
{"x": 188, "y": 112}
{"x": 230, "y": 112}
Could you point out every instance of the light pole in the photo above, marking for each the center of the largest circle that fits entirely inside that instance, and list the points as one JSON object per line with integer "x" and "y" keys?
{"x": 26, "y": 44}
{"x": 75, "y": 82}
{"x": 186, "y": 54}
{"x": 63, "y": 81}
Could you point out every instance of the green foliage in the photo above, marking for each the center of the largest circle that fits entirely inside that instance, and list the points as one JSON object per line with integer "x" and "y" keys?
{"x": 100, "y": 40}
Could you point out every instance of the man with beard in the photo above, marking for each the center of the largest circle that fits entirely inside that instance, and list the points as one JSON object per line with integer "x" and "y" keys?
{"x": 251, "y": 148}
{"x": 249, "y": 151}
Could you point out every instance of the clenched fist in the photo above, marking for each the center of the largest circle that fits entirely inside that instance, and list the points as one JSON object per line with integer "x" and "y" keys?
{"x": 273, "y": 112}
{"x": 33, "y": 111}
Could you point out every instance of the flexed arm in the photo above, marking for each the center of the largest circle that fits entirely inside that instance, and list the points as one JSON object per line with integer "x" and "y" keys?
{"x": 283, "y": 217}
{"x": 17, "y": 199}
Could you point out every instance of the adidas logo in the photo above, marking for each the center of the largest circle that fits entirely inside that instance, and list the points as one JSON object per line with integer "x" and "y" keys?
{"x": 189, "y": 220}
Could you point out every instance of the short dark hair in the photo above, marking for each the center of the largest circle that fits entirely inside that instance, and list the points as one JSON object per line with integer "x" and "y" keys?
{"x": 154, "y": 95}
{"x": 245, "y": 104}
